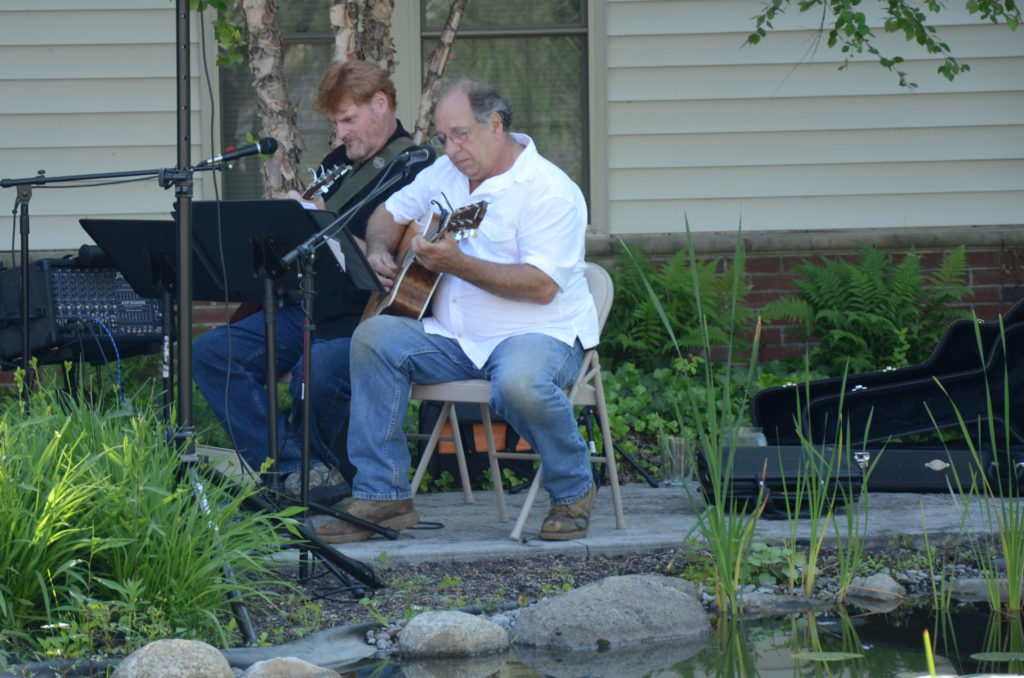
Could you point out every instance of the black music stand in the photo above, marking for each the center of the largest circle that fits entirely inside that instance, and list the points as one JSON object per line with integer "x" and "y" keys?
{"x": 243, "y": 242}
{"x": 146, "y": 253}
{"x": 254, "y": 235}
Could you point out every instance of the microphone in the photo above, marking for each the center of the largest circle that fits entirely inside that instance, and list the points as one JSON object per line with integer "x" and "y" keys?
{"x": 264, "y": 146}
{"x": 405, "y": 161}
{"x": 417, "y": 155}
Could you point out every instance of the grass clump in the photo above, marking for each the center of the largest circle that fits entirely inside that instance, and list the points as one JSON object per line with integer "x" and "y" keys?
{"x": 104, "y": 545}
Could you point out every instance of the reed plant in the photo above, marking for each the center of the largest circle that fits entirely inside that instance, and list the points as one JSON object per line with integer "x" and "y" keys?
{"x": 817, "y": 491}
{"x": 809, "y": 500}
{"x": 942, "y": 588}
{"x": 104, "y": 546}
{"x": 997, "y": 478}
{"x": 1003, "y": 646}
{"x": 851, "y": 529}
{"x": 807, "y": 646}
{"x": 725, "y": 527}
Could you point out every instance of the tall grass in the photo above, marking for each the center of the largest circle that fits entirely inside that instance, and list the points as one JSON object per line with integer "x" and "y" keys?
{"x": 726, "y": 529}
{"x": 103, "y": 545}
{"x": 1003, "y": 510}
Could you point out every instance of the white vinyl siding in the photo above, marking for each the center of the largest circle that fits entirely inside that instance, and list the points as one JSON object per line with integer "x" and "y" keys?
{"x": 776, "y": 136}
{"x": 90, "y": 87}
{"x": 685, "y": 120}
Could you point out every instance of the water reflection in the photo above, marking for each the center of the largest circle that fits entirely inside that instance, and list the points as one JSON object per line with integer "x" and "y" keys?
{"x": 646, "y": 659}
{"x": 850, "y": 644}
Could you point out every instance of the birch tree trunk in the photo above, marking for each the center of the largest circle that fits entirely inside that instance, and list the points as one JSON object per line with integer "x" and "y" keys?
{"x": 362, "y": 30}
{"x": 439, "y": 58}
{"x": 277, "y": 114}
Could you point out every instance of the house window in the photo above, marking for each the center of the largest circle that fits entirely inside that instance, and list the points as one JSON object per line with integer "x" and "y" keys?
{"x": 535, "y": 53}
{"x": 309, "y": 48}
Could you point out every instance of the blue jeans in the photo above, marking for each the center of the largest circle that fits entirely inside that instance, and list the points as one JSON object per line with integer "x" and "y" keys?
{"x": 236, "y": 389}
{"x": 527, "y": 374}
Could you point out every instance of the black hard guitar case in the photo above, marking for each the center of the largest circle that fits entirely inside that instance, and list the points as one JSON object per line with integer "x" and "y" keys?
{"x": 777, "y": 471}
{"x": 976, "y": 370}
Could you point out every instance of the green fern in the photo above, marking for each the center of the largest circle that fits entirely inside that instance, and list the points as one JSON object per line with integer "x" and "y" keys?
{"x": 635, "y": 331}
{"x": 872, "y": 314}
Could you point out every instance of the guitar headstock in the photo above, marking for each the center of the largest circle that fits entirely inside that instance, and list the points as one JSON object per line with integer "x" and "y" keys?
{"x": 324, "y": 180}
{"x": 463, "y": 222}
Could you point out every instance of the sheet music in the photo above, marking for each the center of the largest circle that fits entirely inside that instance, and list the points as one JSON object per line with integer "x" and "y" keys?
{"x": 339, "y": 256}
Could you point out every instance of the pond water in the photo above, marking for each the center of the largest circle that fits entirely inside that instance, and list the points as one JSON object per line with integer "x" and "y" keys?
{"x": 968, "y": 641}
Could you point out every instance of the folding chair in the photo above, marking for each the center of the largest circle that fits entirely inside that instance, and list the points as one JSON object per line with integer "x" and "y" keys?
{"x": 587, "y": 389}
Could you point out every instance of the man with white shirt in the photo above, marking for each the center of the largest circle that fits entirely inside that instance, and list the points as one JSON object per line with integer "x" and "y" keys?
{"x": 512, "y": 306}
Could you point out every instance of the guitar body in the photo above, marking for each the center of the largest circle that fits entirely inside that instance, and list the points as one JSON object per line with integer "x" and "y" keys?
{"x": 414, "y": 285}
{"x": 411, "y": 295}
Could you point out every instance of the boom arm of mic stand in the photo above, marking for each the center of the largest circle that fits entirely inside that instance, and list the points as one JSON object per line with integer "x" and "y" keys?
{"x": 321, "y": 236}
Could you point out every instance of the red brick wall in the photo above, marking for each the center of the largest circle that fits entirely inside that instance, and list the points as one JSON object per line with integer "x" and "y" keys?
{"x": 995, "y": 263}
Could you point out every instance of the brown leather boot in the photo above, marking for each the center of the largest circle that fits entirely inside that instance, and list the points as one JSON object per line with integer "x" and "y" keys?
{"x": 397, "y": 515}
{"x": 569, "y": 521}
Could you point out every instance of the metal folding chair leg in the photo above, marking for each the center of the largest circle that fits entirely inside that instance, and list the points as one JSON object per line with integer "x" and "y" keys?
{"x": 447, "y": 413}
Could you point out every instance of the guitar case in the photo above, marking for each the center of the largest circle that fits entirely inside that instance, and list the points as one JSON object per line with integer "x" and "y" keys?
{"x": 894, "y": 403}
{"x": 929, "y": 468}
{"x": 772, "y": 473}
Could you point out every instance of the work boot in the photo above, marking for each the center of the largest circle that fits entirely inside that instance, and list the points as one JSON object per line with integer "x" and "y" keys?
{"x": 320, "y": 475}
{"x": 397, "y": 515}
{"x": 569, "y": 521}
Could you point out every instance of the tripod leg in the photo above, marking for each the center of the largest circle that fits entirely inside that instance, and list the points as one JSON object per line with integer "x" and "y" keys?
{"x": 311, "y": 542}
{"x": 189, "y": 461}
{"x": 589, "y": 412}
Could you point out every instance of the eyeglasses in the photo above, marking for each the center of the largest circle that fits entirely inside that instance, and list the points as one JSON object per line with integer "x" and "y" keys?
{"x": 458, "y": 135}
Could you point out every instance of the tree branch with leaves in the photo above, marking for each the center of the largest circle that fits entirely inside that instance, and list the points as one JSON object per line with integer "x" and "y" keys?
{"x": 848, "y": 28}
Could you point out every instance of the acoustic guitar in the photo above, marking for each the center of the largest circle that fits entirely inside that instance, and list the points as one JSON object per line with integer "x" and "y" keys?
{"x": 414, "y": 285}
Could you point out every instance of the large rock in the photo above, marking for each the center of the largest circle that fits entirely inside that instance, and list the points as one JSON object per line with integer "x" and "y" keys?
{"x": 174, "y": 658}
{"x": 451, "y": 634}
{"x": 615, "y": 612}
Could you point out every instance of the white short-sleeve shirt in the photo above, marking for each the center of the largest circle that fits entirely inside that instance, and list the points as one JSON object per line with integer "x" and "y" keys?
{"x": 535, "y": 215}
